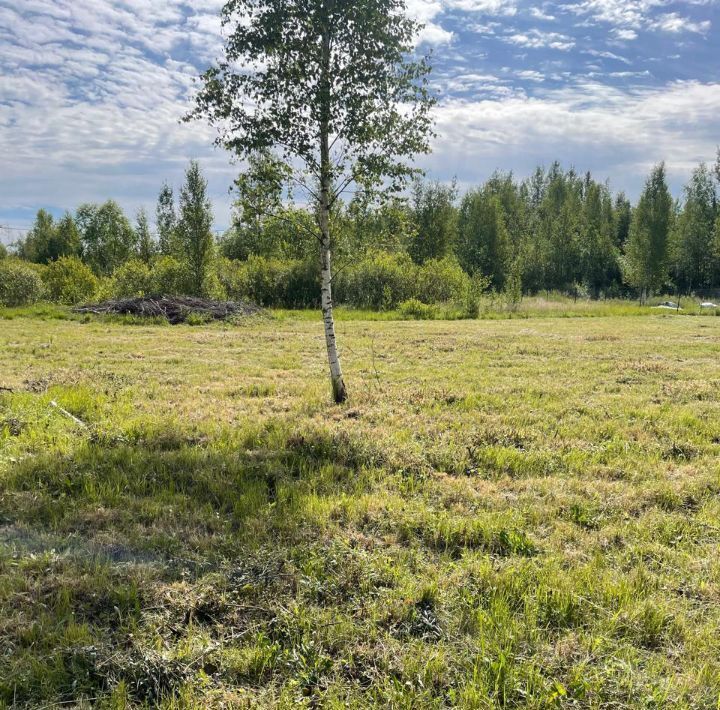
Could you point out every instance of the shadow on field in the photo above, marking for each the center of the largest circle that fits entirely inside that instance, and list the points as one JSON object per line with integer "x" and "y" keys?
{"x": 159, "y": 533}
{"x": 144, "y": 562}
{"x": 252, "y": 489}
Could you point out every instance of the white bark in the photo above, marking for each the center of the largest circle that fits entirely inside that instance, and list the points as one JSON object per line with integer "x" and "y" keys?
{"x": 336, "y": 376}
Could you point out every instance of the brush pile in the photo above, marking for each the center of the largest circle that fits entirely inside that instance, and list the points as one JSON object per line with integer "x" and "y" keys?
{"x": 175, "y": 309}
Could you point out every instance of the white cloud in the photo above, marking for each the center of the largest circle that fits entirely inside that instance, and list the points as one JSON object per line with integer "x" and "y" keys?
{"x": 536, "y": 39}
{"x": 540, "y": 14}
{"x": 616, "y": 132}
{"x": 603, "y": 54}
{"x": 629, "y": 16}
{"x": 92, "y": 96}
{"x": 624, "y": 35}
{"x": 428, "y": 13}
{"x": 672, "y": 22}
{"x": 530, "y": 75}
{"x": 621, "y": 13}
{"x": 485, "y": 7}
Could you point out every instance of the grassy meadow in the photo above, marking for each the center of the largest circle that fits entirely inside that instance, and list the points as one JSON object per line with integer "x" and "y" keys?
{"x": 516, "y": 512}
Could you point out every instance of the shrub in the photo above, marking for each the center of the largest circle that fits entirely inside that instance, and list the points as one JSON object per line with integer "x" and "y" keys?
{"x": 441, "y": 281}
{"x": 20, "y": 284}
{"x": 266, "y": 280}
{"x": 381, "y": 281}
{"x": 170, "y": 277}
{"x": 133, "y": 278}
{"x": 3, "y": 252}
{"x": 302, "y": 284}
{"x": 417, "y": 310}
{"x": 69, "y": 281}
{"x": 233, "y": 279}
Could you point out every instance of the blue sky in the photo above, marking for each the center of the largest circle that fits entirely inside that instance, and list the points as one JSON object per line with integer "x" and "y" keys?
{"x": 91, "y": 92}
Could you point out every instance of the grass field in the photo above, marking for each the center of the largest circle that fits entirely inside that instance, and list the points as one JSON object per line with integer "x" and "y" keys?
{"x": 508, "y": 513}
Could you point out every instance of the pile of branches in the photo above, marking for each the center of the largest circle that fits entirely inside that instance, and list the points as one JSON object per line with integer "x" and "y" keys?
{"x": 175, "y": 309}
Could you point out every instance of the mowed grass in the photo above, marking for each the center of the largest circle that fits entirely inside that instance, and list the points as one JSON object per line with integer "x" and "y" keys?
{"x": 510, "y": 513}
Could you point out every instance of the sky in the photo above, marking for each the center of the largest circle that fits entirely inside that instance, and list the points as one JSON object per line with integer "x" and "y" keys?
{"x": 91, "y": 93}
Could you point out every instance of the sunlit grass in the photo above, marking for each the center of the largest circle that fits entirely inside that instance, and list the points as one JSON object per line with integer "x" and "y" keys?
{"x": 508, "y": 513}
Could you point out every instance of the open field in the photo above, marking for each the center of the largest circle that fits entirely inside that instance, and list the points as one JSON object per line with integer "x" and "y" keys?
{"x": 516, "y": 513}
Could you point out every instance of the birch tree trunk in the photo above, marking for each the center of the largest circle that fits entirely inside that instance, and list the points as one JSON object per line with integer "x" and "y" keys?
{"x": 336, "y": 376}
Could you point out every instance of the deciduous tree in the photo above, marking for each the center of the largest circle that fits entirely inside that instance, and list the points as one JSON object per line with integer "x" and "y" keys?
{"x": 332, "y": 87}
{"x": 646, "y": 256}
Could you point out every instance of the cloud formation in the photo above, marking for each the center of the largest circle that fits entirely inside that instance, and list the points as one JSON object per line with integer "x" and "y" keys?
{"x": 93, "y": 91}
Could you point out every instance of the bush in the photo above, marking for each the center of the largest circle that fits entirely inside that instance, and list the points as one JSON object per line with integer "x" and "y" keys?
{"x": 380, "y": 281}
{"x": 417, "y": 310}
{"x": 20, "y": 284}
{"x": 233, "y": 279}
{"x": 266, "y": 280}
{"x": 302, "y": 284}
{"x": 170, "y": 277}
{"x": 134, "y": 278}
{"x": 3, "y": 252}
{"x": 69, "y": 281}
{"x": 442, "y": 281}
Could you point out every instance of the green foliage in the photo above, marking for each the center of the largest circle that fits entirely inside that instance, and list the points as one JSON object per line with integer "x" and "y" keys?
{"x": 513, "y": 286}
{"x": 554, "y": 232}
{"x": 441, "y": 281}
{"x": 20, "y": 284}
{"x": 380, "y": 280}
{"x": 367, "y": 227}
{"x": 170, "y": 276}
{"x": 146, "y": 247}
{"x": 166, "y": 220}
{"x": 415, "y": 309}
{"x": 136, "y": 278}
{"x": 258, "y": 199}
{"x": 435, "y": 220}
{"x": 68, "y": 280}
{"x": 482, "y": 243}
{"x": 270, "y": 282}
{"x": 3, "y": 251}
{"x": 598, "y": 254}
{"x": 315, "y": 55}
{"x": 194, "y": 229}
{"x": 647, "y": 253}
{"x": 695, "y": 264}
{"x": 108, "y": 239}
{"x": 49, "y": 240}
{"x": 290, "y": 233}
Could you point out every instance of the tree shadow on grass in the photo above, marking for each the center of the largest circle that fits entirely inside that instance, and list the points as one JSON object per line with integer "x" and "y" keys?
{"x": 129, "y": 539}
{"x": 149, "y": 561}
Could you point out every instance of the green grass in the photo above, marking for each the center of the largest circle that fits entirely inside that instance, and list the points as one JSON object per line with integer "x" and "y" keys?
{"x": 508, "y": 513}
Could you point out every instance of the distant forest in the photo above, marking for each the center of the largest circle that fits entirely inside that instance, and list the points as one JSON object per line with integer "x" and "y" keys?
{"x": 557, "y": 230}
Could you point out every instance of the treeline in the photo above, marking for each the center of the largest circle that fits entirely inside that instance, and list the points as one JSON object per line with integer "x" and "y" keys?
{"x": 557, "y": 230}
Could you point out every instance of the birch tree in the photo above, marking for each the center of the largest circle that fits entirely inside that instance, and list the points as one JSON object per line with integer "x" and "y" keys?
{"x": 646, "y": 253}
{"x": 332, "y": 87}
